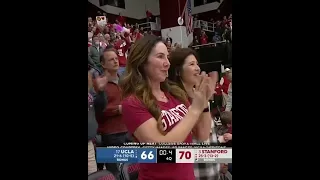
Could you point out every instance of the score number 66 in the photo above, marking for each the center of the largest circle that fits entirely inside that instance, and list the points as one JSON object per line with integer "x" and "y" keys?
{"x": 145, "y": 156}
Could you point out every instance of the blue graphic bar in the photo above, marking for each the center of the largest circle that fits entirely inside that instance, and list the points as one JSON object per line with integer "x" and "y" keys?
{"x": 126, "y": 155}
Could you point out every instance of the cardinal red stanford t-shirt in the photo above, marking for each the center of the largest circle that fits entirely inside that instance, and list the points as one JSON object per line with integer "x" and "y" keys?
{"x": 134, "y": 113}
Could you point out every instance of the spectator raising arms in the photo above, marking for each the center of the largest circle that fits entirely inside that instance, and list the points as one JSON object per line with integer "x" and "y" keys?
{"x": 122, "y": 45}
{"x": 121, "y": 19}
{"x": 137, "y": 35}
{"x": 149, "y": 102}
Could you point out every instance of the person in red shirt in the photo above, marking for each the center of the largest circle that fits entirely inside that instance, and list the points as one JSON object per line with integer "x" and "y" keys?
{"x": 224, "y": 21}
{"x": 129, "y": 27}
{"x": 122, "y": 45}
{"x": 136, "y": 35}
{"x": 109, "y": 25}
{"x": 110, "y": 122}
{"x": 97, "y": 30}
{"x": 121, "y": 20}
{"x": 203, "y": 37}
{"x": 185, "y": 71}
{"x": 155, "y": 111}
{"x": 218, "y": 90}
{"x": 225, "y": 82}
{"x": 150, "y": 16}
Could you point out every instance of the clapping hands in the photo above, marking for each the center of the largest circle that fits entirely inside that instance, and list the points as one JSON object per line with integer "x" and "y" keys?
{"x": 202, "y": 92}
{"x": 100, "y": 83}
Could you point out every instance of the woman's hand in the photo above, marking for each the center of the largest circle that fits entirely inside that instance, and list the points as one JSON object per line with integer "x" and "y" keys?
{"x": 199, "y": 101}
{"x": 212, "y": 79}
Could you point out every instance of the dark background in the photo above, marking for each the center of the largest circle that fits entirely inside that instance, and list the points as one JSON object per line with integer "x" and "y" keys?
{"x": 201, "y": 2}
{"x": 211, "y": 57}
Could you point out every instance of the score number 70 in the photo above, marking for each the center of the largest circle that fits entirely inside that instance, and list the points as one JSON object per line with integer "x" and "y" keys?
{"x": 185, "y": 154}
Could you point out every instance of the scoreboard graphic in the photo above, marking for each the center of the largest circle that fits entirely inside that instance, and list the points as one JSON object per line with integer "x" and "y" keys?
{"x": 163, "y": 155}
{"x": 126, "y": 155}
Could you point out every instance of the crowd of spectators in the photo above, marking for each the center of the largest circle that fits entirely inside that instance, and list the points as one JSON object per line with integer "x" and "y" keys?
{"x": 222, "y": 31}
{"x": 118, "y": 35}
{"x": 108, "y": 48}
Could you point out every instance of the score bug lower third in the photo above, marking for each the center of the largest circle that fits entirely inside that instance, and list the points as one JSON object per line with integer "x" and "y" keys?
{"x": 161, "y": 155}
{"x": 204, "y": 155}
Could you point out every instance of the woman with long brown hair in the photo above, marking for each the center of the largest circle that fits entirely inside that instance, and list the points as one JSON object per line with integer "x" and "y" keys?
{"x": 184, "y": 71}
{"x": 155, "y": 111}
